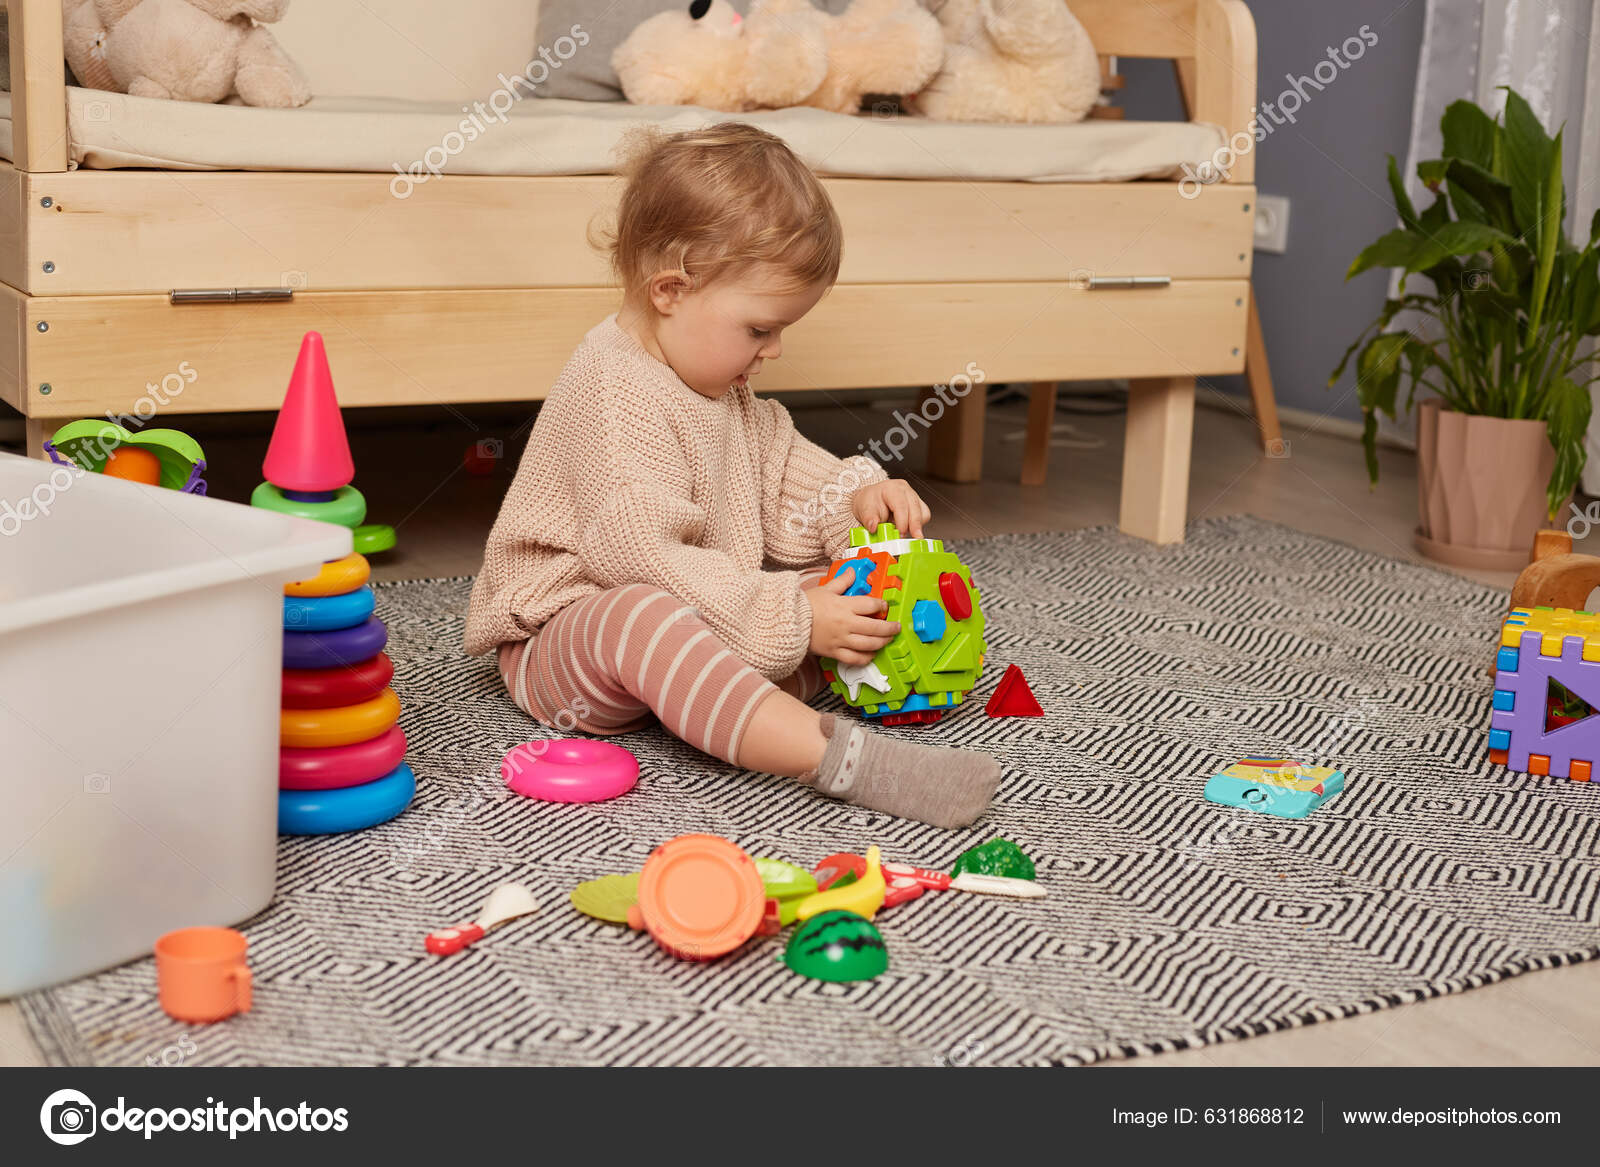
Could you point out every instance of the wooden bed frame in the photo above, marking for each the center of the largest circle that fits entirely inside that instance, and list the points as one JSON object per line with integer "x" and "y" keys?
{"x": 476, "y": 289}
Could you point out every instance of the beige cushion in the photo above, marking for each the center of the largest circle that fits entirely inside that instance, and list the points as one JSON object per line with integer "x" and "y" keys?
{"x": 109, "y": 130}
{"x": 419, "y": 50}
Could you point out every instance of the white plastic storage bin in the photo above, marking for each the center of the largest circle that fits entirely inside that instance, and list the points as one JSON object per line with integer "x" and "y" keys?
{"x": 140, "y": 662}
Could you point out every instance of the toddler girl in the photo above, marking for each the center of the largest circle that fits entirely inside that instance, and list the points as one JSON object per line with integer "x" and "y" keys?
{"x": 624, "y": 575}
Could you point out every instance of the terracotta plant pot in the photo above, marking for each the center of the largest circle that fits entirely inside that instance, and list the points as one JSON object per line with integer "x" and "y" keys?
{"x": 1480, "y": 487}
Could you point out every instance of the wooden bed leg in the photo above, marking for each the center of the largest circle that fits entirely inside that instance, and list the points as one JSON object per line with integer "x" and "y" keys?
{"x": 1155, "y": 458}
{"x": 1036, "y": 445}
{"x": 955, "y": 441}
{"x": 1259, "y": 374}
{"x": 40, "y": 430}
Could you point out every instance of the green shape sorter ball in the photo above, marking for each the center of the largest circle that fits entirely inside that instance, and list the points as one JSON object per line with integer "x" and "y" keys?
{"x": 935, "y": 660}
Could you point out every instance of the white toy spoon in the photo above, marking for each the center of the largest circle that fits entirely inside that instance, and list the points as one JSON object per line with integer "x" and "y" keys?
{"x": 506, "y": 902}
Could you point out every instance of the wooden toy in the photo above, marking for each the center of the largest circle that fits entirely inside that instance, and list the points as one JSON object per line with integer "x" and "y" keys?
{"x": 936, "y": 658}
{"x": 1012, "y": 697}
{"x": 1547, "y": 674}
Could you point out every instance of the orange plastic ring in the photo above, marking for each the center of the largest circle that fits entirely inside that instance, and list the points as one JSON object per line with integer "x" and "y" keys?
{"x": 337, "y": 577}
{"x": 340, "y": 725}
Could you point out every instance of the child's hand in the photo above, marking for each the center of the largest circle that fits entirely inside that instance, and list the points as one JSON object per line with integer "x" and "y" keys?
{"x": 844, "y": 627}
{"x": 894, "y": 499}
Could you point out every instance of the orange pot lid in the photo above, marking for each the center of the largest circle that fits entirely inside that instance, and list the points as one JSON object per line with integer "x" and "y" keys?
{"x": 700, "y": 896}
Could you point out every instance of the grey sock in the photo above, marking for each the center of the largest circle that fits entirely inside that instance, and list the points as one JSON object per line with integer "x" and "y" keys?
{"x": 938, "y": 785}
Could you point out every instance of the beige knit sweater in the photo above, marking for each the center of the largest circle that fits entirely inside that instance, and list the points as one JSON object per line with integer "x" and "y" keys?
{"x": 630, "y": 476}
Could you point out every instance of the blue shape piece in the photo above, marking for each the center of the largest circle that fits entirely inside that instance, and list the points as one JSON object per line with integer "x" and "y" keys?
{"x": 349, "y": 808}
{"x": 1264, "y": 798}
{"x": 327, "y": 613}
{"x": 1499, "y": 739}
{"x": 910, "y": 705}
{"x": 341, "y": 646}
{"x": 1505, "y": 699}
{"x": 861, "y": 585}
{"x": 927, "y": 621}
{"x": 1507, "y": 659}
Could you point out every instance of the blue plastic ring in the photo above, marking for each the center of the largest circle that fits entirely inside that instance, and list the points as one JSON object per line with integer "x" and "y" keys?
{"x": 341, "y": 646}
{"x": 348, "y": 808}
{"x": 328, "y": 613}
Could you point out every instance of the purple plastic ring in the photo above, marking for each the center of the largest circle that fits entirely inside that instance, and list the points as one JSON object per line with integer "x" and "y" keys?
{"x": 341, "y": 646}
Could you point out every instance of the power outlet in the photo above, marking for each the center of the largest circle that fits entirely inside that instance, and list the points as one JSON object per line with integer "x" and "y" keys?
{"x": 1272, "y": 223}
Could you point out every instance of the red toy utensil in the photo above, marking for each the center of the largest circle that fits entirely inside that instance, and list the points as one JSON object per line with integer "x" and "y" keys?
{"x": 506, "y": 902}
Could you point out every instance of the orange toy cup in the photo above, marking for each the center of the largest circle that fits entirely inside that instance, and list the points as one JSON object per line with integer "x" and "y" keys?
{"x": 202, "y": 974}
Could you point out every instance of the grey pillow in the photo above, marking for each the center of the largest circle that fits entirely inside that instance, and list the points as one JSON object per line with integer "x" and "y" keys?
{"x": 586, "y": 74}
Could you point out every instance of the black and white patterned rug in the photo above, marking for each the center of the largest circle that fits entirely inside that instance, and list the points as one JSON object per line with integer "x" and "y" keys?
{"x": 1171, "y": 921}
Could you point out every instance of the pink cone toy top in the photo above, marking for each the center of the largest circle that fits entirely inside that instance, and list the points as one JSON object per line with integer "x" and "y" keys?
{"x": 309, "y": 450}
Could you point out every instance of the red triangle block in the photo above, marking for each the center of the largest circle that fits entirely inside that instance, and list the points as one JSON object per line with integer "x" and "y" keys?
{"x": 1013, "y": 698}
{"x": 309, "y": 450}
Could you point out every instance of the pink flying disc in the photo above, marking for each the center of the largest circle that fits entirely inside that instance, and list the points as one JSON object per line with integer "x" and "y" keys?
{"x": 570, "y": 770}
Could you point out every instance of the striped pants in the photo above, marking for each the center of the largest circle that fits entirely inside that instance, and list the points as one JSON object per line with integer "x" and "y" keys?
{"x": 606, "y": 663}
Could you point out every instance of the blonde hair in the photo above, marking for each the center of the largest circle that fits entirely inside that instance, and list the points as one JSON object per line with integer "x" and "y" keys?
{"x": 717, "y": 203}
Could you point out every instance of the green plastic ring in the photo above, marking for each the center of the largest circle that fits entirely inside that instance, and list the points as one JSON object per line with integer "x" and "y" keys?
{"x": 346, "y": 508}
{"x": 373, "y": 538}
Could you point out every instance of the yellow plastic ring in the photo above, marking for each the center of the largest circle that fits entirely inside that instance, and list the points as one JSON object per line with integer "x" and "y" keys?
{"x": 342, "y": 725}
{"x": 337, "y": 577}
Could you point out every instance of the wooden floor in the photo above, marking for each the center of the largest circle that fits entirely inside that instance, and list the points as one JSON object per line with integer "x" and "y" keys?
{"x": 413, "y": 479}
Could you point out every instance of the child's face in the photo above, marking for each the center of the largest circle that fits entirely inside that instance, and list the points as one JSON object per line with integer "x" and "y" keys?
{"x": 719, "y": 337}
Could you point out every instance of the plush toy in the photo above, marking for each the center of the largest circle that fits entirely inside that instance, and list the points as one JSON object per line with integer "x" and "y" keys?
{"x": 786, "y": 52}
{"x": 186, "y": 50}
{"x": 1011, "y": 61}
{"x": 875, "y": 46}
{"x": 709, "y": 55}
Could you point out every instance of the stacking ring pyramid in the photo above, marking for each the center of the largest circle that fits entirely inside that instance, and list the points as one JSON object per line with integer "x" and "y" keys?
{"x": 341, "y": 760}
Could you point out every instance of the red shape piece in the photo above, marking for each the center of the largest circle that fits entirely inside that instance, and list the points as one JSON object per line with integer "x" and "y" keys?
{"x": 1012, "y": 697}
{"x": 953, "y": 591}
{"x": 916, "y": 715}
{"x": 309, "y": 450}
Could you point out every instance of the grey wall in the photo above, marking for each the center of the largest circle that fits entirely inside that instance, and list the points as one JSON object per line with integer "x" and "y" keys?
{"x": 1330, "y": 163}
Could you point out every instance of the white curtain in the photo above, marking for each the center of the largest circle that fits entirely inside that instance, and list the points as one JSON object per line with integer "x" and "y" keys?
{"x": 1548, "y": 51}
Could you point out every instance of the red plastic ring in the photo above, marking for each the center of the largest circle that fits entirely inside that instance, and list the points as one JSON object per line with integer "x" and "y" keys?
{"x": 331, "y": 767}
{"x": 340, "y": 685}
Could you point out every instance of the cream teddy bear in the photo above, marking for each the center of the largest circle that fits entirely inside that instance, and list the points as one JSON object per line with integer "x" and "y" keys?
{"x": 186, "y": 50}
{"x": 708, "y": 55}
{"x": 1012, "y": 61}
{"x": 785, "y": 53}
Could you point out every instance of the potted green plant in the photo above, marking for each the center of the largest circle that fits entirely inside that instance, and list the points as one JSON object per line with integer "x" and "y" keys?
{"x": 1501, "y": 445}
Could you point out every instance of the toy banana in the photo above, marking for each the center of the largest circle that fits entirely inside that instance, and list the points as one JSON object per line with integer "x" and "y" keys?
{"x": 863, "y": 897}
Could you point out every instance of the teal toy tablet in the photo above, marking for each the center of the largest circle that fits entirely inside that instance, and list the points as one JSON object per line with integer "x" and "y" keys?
{"x": 1275, "y": 786}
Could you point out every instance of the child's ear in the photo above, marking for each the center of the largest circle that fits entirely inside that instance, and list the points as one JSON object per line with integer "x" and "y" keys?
{"x": 667, "y": 288}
